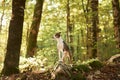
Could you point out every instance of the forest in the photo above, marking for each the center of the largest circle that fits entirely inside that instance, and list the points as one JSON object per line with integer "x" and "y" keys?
{"x": 29, "y": 48}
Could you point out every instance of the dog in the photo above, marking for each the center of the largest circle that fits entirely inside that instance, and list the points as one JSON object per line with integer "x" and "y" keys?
{"x": 63, "y": 49}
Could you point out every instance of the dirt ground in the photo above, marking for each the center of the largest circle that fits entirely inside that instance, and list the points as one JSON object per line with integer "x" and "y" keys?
{"x": 107, "y": 72}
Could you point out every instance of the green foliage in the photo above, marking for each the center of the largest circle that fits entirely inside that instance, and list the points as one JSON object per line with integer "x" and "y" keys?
{"x": 54, "y": 20}
{"x": 50, "y": 55}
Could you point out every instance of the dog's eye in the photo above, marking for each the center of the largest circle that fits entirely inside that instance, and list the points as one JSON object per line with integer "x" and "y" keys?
{"x": 57, "y": 36}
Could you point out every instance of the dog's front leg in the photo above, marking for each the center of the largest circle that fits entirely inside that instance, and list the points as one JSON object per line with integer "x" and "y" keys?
{"x": 59, "y": 55}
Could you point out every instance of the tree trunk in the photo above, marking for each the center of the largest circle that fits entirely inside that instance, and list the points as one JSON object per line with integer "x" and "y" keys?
{"x": 94, "y": 19}
{"x": 69, "y": 28}
{"x": 11, "y": 62}
{"x": 68, "y": 20}
{"x": 86, "y": 10}
{"x": 78, "y": 46}
{"x": 3, "y": 7}
{"x": 32, "y": 39}
{"x": 116, "y": 22}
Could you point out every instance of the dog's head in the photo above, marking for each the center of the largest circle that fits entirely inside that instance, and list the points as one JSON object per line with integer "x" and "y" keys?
{"x": 57, "y": 35}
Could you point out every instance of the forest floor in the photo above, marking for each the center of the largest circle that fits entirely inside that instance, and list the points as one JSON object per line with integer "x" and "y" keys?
{"x": 107, "y": 72}
{"x": 95, "y": 71}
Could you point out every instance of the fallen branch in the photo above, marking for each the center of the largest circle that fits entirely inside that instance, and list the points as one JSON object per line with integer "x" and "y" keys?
{"x": 61, "y": 72}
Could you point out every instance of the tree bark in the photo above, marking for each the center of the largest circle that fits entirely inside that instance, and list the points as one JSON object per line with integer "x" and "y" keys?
{"x": 3, "y": 11}
{"x": 68, "y": 20}
{"x": 116, "y": 22}
{"x": 86, "y": 10}
{"x": 32, "y": 39}
{"x": 11, "y": 62}
{"x": 70, "y": 26}
{"x": 94, "y": 19}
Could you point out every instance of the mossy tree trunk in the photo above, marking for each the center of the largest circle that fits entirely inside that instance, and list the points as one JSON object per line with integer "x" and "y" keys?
{"x": 32, "y": 38}
{"x": 11, "y": 62}
{"x": 94, "y": 25}
{"x": 116, "y": 22}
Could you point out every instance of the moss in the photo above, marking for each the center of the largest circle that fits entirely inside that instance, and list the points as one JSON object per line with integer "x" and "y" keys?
{"x": 82, "y": 68}
{"x": 96, "y": 64}
{"x": 78, "y": 70}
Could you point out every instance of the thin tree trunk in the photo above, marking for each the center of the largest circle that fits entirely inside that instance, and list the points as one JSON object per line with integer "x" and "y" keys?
{"x": 94, "y": 17}
{"x": 32, "y": 39}
{"x": 86, "y": 10}
{"x": 68, "y": 20}
{"x": 78, "y": 43}
{"x": 3, "y": 7}
{"x": 11, "y": 62}
{"x": 69, "y": 28}
{"x": 116, "y": 22}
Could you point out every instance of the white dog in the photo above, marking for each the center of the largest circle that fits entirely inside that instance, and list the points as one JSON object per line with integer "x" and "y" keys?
{"x": 63, "y": 49}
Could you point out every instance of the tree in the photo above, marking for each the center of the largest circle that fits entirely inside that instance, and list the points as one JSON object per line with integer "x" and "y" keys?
{"x": 116, "y": 21}
{"x": 68, "y": 20}
{"x": 94, "y": 28}
{"x": 91, "y": 16}
{"x": 3, "y": 5}
{"x": 69, "y": 27}
{"x": 32, "y": 39}
{"x": 86, "y": 10}
{"x": 11, "y": 62}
